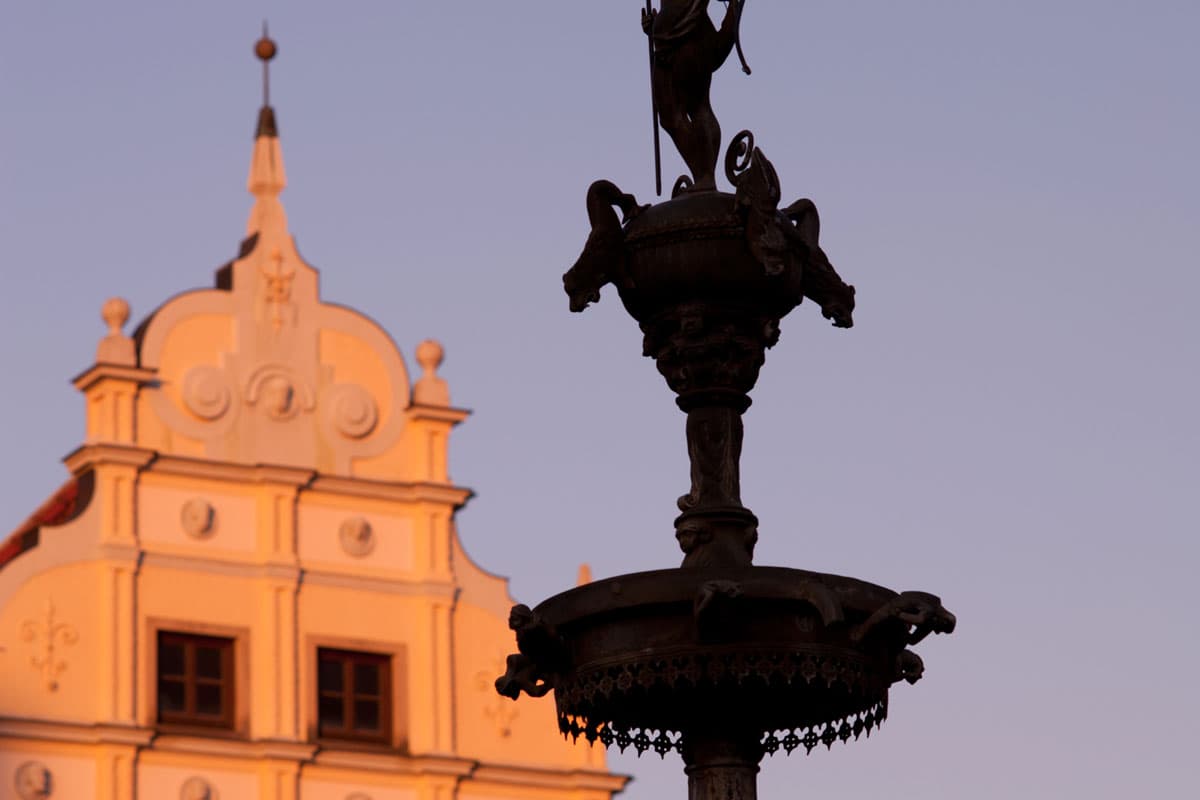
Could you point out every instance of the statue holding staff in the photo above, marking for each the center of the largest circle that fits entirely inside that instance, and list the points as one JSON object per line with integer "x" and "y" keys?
{"x": 688, "y": 49}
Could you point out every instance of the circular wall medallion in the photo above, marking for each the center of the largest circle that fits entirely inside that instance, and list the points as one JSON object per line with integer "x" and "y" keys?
{"x": 198, "y": 518}
{"x": 206, "y": 392}
{"x": 357, "y": 537}
{"x": 196, "y": 788}
{"x": 351, "y": 410}
{"x": 33, "y": 781}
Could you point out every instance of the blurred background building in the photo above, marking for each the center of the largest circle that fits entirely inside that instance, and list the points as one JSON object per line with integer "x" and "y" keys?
{"x": 251, "y": 586}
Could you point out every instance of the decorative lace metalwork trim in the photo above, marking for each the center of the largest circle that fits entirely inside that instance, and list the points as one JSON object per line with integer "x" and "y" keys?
{"x": 666, "y": 741}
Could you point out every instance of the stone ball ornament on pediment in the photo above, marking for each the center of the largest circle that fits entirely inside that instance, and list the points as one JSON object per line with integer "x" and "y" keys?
{"x": 198, "y": 518}
{"x": 33, "y": 781}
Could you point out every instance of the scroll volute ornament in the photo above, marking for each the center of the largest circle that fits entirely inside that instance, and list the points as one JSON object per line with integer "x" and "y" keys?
{"x": 350, "y": 410}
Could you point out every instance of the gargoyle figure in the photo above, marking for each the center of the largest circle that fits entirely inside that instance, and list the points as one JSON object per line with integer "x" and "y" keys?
{"x": 909, "y": 666}
{"x": 822, "y": 284}
{"x": 522, "y": 675}
{"x": 541, "y": 658}
{"x": 785, "y": 241}
{"x": 688, "y": 49}
{"x": 604, "y": 258}
{"x": 920, "y": 613}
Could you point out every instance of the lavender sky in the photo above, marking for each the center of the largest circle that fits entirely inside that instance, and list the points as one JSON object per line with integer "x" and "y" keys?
{"x": 1011, "y": 423}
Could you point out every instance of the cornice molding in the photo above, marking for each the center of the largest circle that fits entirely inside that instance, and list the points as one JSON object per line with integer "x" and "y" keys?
{"x": 550, "y": 778}
{"x": 310, "y": 481}
{"x": 441, "y": 493}
{"x": 395, "y": 763}
{"x": 233, "y": 747}
{"x": 47, "y": 730}
{"x": 227, "y": 471}
{"x": 87, "y": 456}
{"x": 98, "y": 372}
{"x": 301, "y": 575}
{"x": 454, "y": 416}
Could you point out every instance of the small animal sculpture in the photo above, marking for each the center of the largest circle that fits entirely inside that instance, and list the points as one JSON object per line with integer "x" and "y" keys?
{"x": 785, "y": 242}
{"x": 533, "y": 669}
{"x": 604, "y": 258}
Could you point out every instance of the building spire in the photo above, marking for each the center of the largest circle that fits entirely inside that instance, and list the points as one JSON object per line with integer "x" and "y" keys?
{"x": 267, "y": 177}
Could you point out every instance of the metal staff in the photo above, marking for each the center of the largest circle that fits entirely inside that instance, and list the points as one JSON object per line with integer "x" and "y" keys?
{"x": 654, "y": 103}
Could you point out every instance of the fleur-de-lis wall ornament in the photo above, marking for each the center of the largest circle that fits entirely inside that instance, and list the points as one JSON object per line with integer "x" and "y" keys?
{"x": 498, "y": 711}
{"x": 47, "y": 635}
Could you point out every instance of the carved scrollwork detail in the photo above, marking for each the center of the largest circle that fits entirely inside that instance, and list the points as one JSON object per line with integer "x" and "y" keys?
{"x": 198, "y": 518}
{"x": 738, "y": 156}
{"x": 197, "y": 788}
{"x": 350, "y": 410}
{"x": 278, "y": 392}
{"x": 357, "y": 537}
{"x": 207, "y": 392}
{"x": 33, "y": 781}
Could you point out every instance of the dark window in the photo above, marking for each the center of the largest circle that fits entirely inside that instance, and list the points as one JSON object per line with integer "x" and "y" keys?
{"x": 353, "y": 695}
{"x": 195, "y": 680}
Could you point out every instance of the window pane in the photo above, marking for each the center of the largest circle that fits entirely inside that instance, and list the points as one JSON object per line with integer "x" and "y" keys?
{"x": 170, "y": 658}
{"x": 329, "y": 675}
{"x": 209, "y": 699}
{"x": 170, "y": 695}
{"x": 208, "y": 662}
{"x": 329, "y": 713}
{"x": 366, "y": 679}
{"x": 366, "y": 715}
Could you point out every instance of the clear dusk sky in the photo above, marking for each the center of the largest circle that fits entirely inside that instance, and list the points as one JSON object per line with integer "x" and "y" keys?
{"x": 1011, "y": 423}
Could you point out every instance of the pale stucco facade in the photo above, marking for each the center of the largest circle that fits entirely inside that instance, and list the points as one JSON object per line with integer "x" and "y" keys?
{"x": 259, "y": 468}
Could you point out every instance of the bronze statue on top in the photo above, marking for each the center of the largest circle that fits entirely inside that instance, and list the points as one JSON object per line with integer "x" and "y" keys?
{"x": 686, "y": 50}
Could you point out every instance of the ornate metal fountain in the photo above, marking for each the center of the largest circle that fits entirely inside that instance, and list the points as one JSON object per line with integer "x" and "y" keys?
{"x": 719, "y": 659}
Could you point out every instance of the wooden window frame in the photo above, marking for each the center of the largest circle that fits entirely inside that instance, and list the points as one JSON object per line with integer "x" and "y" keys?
{"x": 189, "y": 717}
{"x": 348, "y": 659}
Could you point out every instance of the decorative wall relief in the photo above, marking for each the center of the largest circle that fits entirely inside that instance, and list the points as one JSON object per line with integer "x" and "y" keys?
{"x": 47, "y": 635}
{"x": 277, "y": 277}
{"x": 357, "y": 537}
{"x": 33, "y": 781}
{"x": 207, "y": 392}
{"x": 196, "y": 788}
{"x": 495, "y": 708}
{"x": 358, "y": 796}
{"x": 198, "y": 518}
{"x": 350, "y": 410}
{"x": 278, "y": 392}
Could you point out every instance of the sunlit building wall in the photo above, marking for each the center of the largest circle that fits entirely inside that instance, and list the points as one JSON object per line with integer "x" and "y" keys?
{"x": 251, "y": 585}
